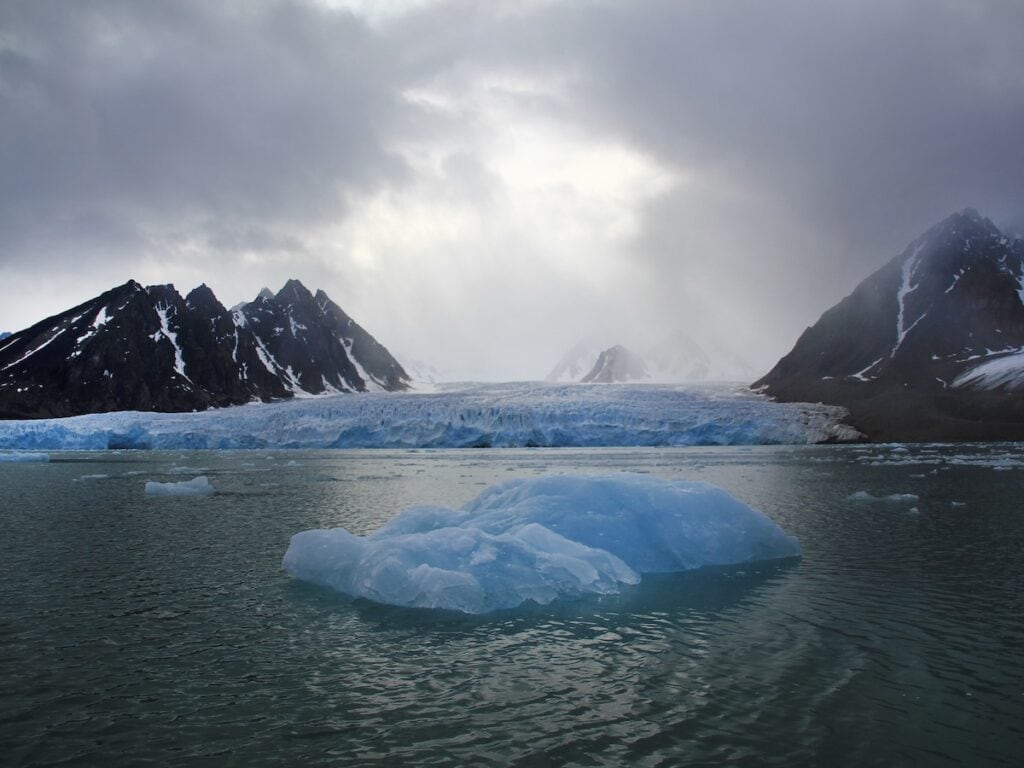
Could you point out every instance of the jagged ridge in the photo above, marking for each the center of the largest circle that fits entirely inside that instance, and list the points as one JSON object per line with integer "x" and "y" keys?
{"x": 149, "y": 349}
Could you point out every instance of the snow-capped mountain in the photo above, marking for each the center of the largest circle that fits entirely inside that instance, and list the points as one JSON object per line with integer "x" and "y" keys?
{"x": 422, "y": 373}
{"x": 149, "y": 349}
{"x": 577, "y": 362}
{"x": 930, "y": 345}
{"x": 617, "y": 364}
{"x": 676, "y": 358}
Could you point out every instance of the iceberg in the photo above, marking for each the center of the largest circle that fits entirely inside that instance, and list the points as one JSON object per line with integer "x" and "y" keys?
{"x": 197, "y": 486}
{"x": 539, "y": 539}
{"x": 524, "y": 414}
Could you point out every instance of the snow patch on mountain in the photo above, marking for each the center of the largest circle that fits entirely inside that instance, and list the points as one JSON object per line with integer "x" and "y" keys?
{"x": 909, "y": 267}
{"x": 165, "y": 328}
{"x": 1006, "y": 372}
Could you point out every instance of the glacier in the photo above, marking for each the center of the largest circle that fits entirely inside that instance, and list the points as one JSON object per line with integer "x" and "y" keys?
{"x": 483, "y": 415}
{"x": 539, "y": 539}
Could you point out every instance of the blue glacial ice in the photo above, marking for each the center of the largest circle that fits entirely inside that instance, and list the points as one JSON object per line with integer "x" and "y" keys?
{"x": 539, "y": 539}
{"x": 197, "y": 486}
{"x": 499, "y": 415}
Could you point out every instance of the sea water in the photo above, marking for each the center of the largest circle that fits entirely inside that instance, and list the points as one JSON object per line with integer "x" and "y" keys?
{"x": 161, "y": 630}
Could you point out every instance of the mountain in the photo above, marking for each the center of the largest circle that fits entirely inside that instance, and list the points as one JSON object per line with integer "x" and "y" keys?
{"x": 617, "y": 364}
{"x": 577, "y": 362}
{"x": 929, "y": 347}
{"x": 676, "y": 358}
{"x": 423, "y": 373}
{"x": 149, "y": 349}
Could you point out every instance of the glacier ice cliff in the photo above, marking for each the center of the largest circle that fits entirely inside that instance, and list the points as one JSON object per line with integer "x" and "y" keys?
{"x": 539, "y": 539}
{"x": 498, "y": 415}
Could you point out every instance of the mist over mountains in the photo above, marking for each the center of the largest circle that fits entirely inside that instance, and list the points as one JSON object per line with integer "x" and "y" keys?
{"x": 675, "y": 358}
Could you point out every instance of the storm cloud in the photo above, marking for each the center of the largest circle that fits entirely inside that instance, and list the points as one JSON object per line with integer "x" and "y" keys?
{"x": 483, "y": 184}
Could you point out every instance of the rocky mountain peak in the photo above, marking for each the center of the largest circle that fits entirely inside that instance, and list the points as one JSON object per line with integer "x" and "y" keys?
{"x": 951, "y": 302}
{"x": 148, "y": 349}
{"x": 294, "y": 292}
{"x": 617, "y": 364}
{"x": 202, "y": 297}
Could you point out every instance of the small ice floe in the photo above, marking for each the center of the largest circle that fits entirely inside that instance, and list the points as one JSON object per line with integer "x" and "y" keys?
{"x": 186, "y": 470}
{"x": 293, "y": 463}
{"x": 94, "y": 477}
{"x": 21, "y": 456}
{"x": 892, "y": 498}
{"x": 197, "y": 486}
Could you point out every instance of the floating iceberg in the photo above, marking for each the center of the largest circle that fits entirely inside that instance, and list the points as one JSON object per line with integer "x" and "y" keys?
{"x": 539, "y": 539}
{"x": 197, "y": 486}
{"x": 22, "y": 457}
{"x": 499, "y": 415}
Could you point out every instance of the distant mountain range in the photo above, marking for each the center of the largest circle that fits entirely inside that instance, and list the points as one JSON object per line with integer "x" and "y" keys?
{"x": 929, "y": 347}
{"x": 675, "y": 358}
{"x": 149, "y": 349}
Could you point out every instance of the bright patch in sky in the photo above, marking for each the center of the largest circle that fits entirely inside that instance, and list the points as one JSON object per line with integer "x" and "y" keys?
{"x": 525, "y": 211}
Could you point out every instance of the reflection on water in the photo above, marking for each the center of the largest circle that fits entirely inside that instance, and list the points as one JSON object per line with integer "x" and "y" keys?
{"x": 162, "y": 630}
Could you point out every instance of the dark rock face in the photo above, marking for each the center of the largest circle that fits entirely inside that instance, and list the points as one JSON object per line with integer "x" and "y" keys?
{"x": 136, "y": 348}
{"x": 928, "y": 347}
{"x": 617, "y": 364}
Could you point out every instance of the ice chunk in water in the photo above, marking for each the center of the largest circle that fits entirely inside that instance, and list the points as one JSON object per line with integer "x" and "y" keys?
{"x": 20, "y": 456}
{"x": 893, "y": 498}
{"x": 539, "y": 539}
{"x": 197, "y": 486}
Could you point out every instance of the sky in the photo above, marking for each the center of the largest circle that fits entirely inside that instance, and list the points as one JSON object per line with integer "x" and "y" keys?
{"x": 482, "y": 184}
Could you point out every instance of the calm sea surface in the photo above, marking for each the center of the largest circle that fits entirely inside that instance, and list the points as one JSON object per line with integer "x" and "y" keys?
{"x": 137, "y": 630}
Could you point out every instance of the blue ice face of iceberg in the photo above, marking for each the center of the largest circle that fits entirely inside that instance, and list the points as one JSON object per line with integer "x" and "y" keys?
{"x": 539, "y": 539}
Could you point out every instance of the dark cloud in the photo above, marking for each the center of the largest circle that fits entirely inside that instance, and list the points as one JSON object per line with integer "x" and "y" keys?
{"x": 822, "y": 136}
{"x": 809, "y": 141}
{"x": 163, "y": 114}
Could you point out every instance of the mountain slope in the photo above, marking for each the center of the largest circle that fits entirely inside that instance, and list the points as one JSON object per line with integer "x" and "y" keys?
{"x": 616, "y": 364}
{"x": 929, "y": 346}
{"x": 576, "y": 362}
{"x": 149, "y": 349}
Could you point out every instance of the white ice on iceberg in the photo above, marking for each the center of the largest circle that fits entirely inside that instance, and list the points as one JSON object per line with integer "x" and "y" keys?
{"x": 197, "y": 486}
{"x": 539, "y": 539}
